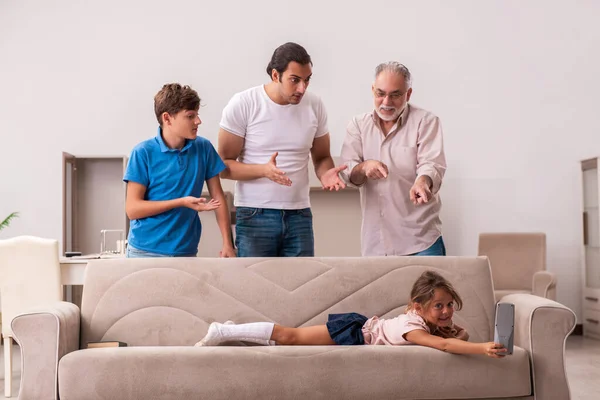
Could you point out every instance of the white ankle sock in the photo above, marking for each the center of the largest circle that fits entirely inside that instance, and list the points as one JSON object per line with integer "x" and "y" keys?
{"x": 256, "y": 332}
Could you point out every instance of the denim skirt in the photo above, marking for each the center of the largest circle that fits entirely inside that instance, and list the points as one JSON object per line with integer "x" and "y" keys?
{"x": 346, "y": 329}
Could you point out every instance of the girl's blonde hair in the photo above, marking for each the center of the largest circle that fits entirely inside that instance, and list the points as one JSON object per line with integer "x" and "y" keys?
{"x": 424, "y": 287}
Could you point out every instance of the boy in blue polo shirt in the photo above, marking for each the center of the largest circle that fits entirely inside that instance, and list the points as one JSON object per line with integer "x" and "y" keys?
{"x": 165, "y": 176}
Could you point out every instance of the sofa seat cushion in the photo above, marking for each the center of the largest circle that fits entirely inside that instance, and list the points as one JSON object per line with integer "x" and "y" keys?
{"x": 286, "y": 372}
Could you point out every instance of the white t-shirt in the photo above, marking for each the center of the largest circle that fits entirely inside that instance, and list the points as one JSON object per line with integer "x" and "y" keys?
{"x": 268, "y": 127}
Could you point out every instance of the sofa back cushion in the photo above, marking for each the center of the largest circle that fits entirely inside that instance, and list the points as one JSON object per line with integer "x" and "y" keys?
{"x": 171, "y": 301}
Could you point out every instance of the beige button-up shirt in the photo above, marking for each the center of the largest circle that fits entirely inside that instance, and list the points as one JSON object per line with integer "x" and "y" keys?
{"x": 392, "y": 224}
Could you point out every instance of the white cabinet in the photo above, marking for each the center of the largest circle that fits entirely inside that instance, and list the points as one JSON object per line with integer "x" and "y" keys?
{"x": 591, "y": 245}
{"x": 93, "y": 200}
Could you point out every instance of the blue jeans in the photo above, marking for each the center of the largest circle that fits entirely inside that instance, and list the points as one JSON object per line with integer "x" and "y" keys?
{"x": 436, "y": 249}
{"x": 265, "y": 232}
{"x": 132, "y": 252}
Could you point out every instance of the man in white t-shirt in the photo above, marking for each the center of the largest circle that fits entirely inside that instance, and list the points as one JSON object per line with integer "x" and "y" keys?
{"x": 267, "y": 134}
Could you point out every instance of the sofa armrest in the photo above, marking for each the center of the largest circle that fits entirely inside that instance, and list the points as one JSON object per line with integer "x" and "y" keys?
{"x": 544, "y": 284}
{"x": 542, "y": 327}
{"x": 45, "y": 335}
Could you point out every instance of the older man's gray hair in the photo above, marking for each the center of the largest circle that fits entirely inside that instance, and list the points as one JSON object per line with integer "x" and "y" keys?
{"x": 397, "y": 68}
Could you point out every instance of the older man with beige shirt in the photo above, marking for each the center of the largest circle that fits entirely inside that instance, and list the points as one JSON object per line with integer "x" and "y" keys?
{"x": 395, "y": 155}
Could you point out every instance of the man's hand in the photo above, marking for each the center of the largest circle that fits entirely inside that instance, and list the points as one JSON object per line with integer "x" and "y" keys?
{"x": 275, "y": 174}
{"x": 374, "y": 169}
{"x": 330, "y": 180}
{"x": 420, "y": 192}
{"x": 227, "y": 252}
{"x": 200, "y": 204}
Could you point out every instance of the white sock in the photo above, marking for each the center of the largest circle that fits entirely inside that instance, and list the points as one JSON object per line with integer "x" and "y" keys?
{"x": 256, "y": 332}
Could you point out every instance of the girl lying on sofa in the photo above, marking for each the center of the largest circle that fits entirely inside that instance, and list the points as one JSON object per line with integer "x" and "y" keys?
{"x": 427, "y": 322}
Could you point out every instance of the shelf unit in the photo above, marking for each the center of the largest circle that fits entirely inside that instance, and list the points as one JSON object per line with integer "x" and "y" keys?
{"x": 591, "y": 248}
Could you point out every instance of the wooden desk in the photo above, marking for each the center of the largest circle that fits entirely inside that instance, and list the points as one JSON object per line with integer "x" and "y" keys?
{"x": 72, "y": 271}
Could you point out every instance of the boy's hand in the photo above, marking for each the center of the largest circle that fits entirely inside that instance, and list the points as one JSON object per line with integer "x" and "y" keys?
{"x": 200, "y": 204}
{"x": 492, "y": 349}
{"x": 227, "y": 252}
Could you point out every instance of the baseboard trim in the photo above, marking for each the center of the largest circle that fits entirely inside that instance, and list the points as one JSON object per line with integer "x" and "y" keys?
{"x": 578, "y": 331}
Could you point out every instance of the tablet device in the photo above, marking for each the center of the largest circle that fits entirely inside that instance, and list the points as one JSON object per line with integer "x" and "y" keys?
{"x": 504, "y": 326}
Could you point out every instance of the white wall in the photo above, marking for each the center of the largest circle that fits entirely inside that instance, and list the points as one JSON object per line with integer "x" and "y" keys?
{"x": 515, "y": 84}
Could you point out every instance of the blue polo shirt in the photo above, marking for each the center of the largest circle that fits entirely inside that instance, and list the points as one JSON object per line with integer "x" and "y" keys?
{"x": 170, "y": 174}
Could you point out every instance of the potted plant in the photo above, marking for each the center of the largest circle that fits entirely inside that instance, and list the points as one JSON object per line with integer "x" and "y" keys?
{"x": 6, "y": 222}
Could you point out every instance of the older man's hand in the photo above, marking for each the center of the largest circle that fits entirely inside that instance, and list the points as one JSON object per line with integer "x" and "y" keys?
{"x": 420, "y": 192}
{"x": 374, "y": 169}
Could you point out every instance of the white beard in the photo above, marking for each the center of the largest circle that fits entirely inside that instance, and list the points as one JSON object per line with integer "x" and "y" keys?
{"x": 393, "y": 117}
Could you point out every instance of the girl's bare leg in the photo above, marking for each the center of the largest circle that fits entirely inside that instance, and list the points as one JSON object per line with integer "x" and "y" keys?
{"x": 312, "y": 335}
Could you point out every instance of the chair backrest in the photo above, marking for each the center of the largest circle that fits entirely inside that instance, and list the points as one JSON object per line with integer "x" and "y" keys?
{"x": 514, "y": 257}
{"x": 29, "y": 276}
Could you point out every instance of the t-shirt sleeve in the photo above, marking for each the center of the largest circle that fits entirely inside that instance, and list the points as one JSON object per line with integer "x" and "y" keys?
{"x": 137, "y": 167}
{"x": 214, "y": 164}
{"x": 322, "y": 128}
{"x": 234, "y": 118}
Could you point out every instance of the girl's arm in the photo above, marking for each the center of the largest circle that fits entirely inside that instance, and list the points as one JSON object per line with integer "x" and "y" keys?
{"x": 455, "y": 346}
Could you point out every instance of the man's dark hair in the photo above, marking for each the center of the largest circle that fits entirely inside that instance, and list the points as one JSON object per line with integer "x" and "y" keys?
{"x": 285, "y": 54}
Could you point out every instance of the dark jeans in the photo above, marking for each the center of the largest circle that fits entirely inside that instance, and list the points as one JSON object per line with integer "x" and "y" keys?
{"x": 132, "y": 252}
{"x": 436, "y": 249}
{"x": 265, "y": 232}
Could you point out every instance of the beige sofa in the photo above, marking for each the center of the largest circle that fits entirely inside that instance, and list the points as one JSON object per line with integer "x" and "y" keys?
{"x": 161, "y": 307}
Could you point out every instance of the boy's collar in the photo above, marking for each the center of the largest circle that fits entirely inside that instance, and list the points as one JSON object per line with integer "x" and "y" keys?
{"x": 163, "y": 146}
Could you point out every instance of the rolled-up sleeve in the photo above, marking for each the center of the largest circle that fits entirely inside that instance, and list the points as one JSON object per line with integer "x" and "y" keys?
{"x": 352, "y": 151}
{"x": 431, "y": 160}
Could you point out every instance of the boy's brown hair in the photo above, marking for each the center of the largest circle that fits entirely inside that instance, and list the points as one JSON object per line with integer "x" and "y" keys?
{"x": 424, "y": 287}
{"x": 173, "y": 98}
